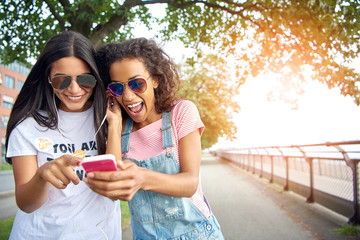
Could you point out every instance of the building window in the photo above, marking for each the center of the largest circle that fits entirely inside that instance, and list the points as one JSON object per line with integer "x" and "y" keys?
{"x": 17, "y": 67}
{"x": 4, "y": 121}
{"x": 9, "y": 81}
{"x": 8, "y": 102}
{"x": 19, "y": 85}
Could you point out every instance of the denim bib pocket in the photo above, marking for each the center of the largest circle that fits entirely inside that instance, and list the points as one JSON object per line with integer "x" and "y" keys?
{"x": 155, "y": 207}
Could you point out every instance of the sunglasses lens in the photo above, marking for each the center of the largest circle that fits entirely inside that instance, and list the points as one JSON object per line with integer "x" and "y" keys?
{"x": 86, "y": 81}
{"x": 116, "y": 89}
{"x": 61, "y": 82}
{"x": 138, "y": 85}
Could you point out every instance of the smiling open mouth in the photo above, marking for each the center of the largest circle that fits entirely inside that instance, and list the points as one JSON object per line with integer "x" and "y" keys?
{"x": 136, "y": 107}
{"x": 74, "y": 97}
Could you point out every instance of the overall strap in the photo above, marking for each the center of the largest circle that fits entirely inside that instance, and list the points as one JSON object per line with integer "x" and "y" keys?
{"x": 166, "y": 130}
{"x": 125, "y": 136}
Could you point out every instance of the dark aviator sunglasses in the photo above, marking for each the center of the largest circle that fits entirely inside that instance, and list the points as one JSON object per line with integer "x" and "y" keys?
{"x": 63, "y": 81}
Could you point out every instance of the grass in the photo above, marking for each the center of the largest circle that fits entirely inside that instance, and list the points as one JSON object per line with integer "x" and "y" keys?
{"x": 5, "y": 166}
{"x": 125, "y": 215}
{"x": 349, "y": 230}
{"x": 6, "y": 224}
{"x": 5, "y": 228}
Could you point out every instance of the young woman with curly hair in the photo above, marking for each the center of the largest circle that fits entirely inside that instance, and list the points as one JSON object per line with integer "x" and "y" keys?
{"x": 161, "y": 147}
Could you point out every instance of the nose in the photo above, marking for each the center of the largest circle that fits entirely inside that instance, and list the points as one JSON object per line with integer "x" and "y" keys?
{"x": 74, "y": 86}
{"x": 127, "y": 95}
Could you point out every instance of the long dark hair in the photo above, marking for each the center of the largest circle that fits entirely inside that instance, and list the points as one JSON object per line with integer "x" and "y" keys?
{"x": 156, "y": 61}
{"x": 37, "y": 94}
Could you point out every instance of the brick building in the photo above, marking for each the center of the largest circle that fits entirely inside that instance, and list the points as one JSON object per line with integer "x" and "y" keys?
{"x": 12, "y": 78}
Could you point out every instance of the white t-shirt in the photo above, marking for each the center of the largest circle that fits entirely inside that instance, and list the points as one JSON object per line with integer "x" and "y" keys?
{"x": 75, "y": 212}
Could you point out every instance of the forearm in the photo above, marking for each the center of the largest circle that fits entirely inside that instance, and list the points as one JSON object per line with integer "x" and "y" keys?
{"x": 178, "y": 185}
{"x": 33, "y": 183}
{"x": 32, "y": 195}
{"x": 185, "y": 183}
{"x": 114, "y": 140}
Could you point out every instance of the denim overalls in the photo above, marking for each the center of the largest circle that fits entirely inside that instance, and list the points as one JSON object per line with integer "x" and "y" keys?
{"x": 158, "y": 216}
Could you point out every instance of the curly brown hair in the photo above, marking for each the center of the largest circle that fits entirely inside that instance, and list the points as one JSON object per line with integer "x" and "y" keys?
{"x": 156, "y": 61}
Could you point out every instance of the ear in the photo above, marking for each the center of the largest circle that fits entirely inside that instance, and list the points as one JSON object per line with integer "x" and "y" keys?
{"x": 155, "y": 81}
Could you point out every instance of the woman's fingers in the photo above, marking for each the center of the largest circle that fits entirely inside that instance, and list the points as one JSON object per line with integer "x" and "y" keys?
{"x": 123, "y": 190}
{"x": 121, "y": 184}
{"x": 124, "y": 164}
{"x": 70, "y": 160}
{"x": 108, "y": 176}
{"x": 59, "y": 172}
{"x": 68, "y": 169}
{"x": 54, "y": 180}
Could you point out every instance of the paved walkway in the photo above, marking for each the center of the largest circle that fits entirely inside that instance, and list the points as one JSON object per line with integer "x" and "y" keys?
{"x": 250, "y": 208}
{"x": 8, "y": 205}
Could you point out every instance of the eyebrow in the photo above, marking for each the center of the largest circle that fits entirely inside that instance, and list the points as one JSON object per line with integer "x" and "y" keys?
{"x": 136, "y": 76}
{"x": 129, "y": 79}
{"x": 63, "y": 74}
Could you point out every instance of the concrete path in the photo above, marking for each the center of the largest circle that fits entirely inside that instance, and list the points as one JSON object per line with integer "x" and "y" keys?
{"x": 8, "y": 205}
{"x": 250, "y": 208}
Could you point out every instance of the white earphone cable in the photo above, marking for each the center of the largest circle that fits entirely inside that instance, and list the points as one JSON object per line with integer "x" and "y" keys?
{"x": 77, "y": 189}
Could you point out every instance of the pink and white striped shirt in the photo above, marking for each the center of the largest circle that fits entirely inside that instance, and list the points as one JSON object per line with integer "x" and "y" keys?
{"x": 147, "y": 141}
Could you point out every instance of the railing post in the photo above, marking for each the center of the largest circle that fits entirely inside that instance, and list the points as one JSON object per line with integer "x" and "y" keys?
{"x": 246, "y": 161}
{"x": 262, "y": 162}
{"x": 242, "y": 160}
{"x": 271, "y": 180}
{"x": 261, "y": 166}
{"x": 355, "y": 219}
{"x": 254, "y": 160}
{"x": 286, "y": 187}
{"x": 310, "y": 199}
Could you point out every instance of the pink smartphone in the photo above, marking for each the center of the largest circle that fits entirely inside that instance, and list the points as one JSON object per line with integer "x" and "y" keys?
{"x": 105, "y": 162}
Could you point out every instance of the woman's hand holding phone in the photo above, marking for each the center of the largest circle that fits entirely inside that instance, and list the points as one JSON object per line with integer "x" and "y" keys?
{"x": 122, "y": 184}
{"x": 105, "y": 162}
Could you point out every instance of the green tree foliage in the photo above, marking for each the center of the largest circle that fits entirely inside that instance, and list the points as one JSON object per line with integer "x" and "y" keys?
{"x": 279, "y": 36}
{"x": 208, "y": 83}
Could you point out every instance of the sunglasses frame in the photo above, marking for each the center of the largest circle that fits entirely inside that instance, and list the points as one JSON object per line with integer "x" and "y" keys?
{"x": 71, "y": 76}
{"x": 127, "y": 83}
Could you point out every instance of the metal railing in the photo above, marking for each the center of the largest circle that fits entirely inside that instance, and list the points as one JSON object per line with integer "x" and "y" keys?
{"x": 324, "y": 173}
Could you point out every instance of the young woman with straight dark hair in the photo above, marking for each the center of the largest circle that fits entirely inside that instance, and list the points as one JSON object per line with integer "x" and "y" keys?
{"x": 58, "y": 116}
